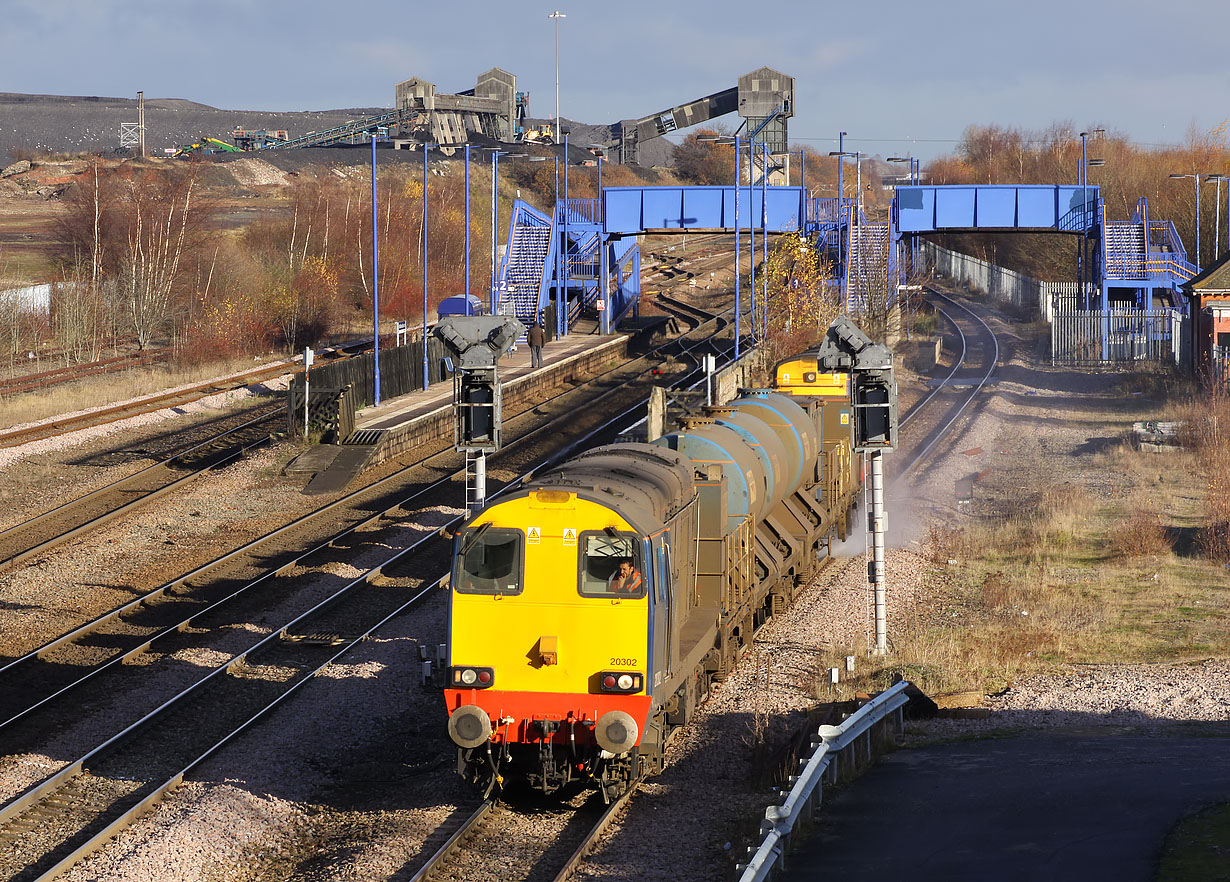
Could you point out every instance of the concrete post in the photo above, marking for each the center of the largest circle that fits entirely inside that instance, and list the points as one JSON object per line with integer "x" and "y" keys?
{"x": 656, "y": 425}
{"x": 878, "y": 525}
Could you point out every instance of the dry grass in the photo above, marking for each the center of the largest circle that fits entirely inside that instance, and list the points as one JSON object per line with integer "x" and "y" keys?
{"x": 109, "y": 389}
{"x": 1069, "y": 576}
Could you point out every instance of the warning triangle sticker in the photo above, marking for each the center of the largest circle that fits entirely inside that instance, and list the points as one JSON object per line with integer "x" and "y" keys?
{"x": 570, "y": 536}
{"x": 534, "y": 535}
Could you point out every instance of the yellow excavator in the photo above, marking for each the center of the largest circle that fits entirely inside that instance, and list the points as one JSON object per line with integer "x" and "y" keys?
{"x": 207, "y": 145}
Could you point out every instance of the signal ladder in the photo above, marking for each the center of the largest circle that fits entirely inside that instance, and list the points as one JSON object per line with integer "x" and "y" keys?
{"x": 476, "y": 481}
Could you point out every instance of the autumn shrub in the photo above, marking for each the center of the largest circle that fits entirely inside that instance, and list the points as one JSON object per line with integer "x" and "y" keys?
{"x": 1141, "y": 533}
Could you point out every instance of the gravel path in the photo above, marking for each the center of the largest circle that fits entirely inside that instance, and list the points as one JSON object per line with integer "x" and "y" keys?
{"x": 353, "y": 788}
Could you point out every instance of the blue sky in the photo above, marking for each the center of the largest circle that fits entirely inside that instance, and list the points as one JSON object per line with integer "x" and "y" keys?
{"x": 899, "y": 77}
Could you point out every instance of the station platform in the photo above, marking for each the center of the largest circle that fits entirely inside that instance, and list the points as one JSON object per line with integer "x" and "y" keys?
{"x": 423, "y": 420}
{"x": 1034, "y": 808}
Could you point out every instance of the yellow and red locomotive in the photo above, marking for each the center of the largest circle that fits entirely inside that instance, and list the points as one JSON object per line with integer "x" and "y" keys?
{"x": 563, "y": 665}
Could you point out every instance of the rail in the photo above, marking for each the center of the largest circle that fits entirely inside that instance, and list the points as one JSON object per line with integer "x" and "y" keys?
{"x": 804, "y": 797}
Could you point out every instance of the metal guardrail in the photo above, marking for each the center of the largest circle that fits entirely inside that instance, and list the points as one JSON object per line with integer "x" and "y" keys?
{"x": 804, "y": 797}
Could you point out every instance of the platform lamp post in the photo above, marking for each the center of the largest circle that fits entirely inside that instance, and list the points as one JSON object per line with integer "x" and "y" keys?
{"x": 752, "y": 231}
{"x": 900, "y": 159}
{"x": 1092, "y": 163}
{"x": 556, "y": 16}
{"x": 375, "y": 289}
{"x": 914, "y": 164}
{"x": 561, "y": 320}
{"x": 764, "y": 238}
{"x": 426, "y": 380}
{"x": 1196, "y": 180}
{"x": 496, "y": 153}
{"x": 841, "y": 151}
{"x": 1210, "y": 179}
{"x": 467, "y": 295}
{"x": 841, "y": 156}
{"x": 737, "y": 142}
{"x": 1082, "y": 179}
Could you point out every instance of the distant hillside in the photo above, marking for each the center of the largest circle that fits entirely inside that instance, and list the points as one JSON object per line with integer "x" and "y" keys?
{"x": 76, "y": 124}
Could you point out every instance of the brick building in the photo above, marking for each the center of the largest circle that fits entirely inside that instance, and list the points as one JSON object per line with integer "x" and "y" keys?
{"x": 1209, "y": 294}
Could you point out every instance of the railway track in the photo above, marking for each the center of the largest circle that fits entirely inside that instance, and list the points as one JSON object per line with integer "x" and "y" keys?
{"x": 40, "y": 534}
{"x": 55, "y": 824}
{"x": 932, "y": 418}
{"x": 118, "y": 412}
{"x": 114, "y": 785}
{"x": 57, "y": 376}
{"x": 186, "y": 605}
{"x": 480, "y": 847}
{"x": 175, "y": 398}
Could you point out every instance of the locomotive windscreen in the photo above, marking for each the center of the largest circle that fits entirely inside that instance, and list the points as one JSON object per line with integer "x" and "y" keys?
{"x": 490, "y": 561}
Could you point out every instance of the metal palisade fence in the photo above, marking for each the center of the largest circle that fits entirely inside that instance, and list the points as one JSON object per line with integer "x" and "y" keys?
{"x": 401, "y": 372}
{"x": 1092, "y": 337}
{"x": 1219, "y": 366}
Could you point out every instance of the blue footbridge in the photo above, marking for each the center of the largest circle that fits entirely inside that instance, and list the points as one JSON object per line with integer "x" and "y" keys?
{"x": 583, "y": 258}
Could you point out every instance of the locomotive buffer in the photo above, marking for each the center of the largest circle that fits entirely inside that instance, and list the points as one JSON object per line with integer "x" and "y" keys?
{"x": 873, "y": 392}
{"x": 476, "y": 342}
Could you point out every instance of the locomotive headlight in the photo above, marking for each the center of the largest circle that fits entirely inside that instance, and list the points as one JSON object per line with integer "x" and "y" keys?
{"x": 471, "y": 678}
{"x": 625, "y": 682}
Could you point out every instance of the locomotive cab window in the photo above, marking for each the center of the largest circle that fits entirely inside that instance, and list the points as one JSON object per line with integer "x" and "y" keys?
{"x": 610, "y": 565}
{"x": 489, "y": 561}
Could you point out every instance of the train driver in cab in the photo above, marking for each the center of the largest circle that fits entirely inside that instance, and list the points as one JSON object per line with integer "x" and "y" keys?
{"x": 625, "y": 579}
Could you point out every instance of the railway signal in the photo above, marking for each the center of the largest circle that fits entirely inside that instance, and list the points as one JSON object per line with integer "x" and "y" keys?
{"x": 477, "y": 342}
{"x": 873, "y": 393}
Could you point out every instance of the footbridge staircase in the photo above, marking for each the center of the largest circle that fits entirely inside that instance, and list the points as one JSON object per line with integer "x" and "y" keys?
{"x": 1143, "y": 261}
{"x": 567, "y": 260}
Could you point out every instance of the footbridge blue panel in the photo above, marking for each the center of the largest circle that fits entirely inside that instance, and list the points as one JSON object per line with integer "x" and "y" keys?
{"x": 928, "y": 209}
{"x": 631, "y": 210}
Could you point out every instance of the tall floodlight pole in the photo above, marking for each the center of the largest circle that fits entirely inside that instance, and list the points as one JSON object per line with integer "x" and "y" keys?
{"x": 556, "y": 16}
{"x": 375, "y": 285}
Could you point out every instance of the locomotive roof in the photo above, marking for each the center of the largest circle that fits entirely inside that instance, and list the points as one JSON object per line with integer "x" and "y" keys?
{"x": 646, "y": 484}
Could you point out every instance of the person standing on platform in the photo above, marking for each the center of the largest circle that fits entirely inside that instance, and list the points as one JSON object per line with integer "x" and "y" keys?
{"x": 536, "y": 337}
